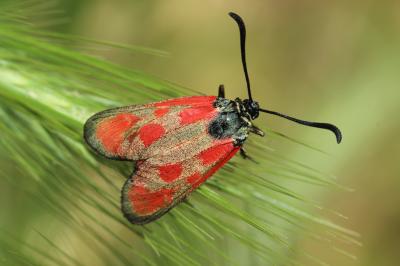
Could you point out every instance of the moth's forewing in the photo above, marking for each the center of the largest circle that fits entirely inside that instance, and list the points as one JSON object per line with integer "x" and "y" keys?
{"x": 111, "y": 133}
{"x": 106, "y": 131}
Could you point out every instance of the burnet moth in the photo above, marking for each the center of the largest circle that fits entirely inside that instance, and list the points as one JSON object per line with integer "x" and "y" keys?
{"x": 177, "y": 144}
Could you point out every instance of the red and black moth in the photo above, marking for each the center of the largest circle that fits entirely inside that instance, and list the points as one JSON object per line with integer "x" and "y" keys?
{"x": 177, "y": 144}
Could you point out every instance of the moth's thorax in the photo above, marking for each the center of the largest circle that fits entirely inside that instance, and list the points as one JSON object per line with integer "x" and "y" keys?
{"x": 232, "y": 121}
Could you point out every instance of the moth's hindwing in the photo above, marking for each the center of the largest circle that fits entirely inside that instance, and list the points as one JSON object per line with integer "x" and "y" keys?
{"x": 159, "y": 183}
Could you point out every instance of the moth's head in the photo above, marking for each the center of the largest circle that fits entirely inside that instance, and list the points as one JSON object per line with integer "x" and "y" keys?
{"x": 252, "y": 108}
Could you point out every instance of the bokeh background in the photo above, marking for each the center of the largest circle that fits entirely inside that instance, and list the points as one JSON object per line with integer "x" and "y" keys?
{"x": 334, "y": 61}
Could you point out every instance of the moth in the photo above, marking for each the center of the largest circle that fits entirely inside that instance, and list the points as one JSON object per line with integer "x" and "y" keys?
{"x": 177, "y": 144}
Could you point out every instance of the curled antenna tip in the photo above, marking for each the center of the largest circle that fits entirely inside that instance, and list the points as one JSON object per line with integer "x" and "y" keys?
{"x": 334, "y": 129}
{"x": 237, "y": 18}
{"x": 233, "y": 14}
{"x": 338, "y": 134}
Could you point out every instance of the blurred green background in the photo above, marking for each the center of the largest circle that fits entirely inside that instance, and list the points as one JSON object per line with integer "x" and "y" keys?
{"x": 331, "y": 61}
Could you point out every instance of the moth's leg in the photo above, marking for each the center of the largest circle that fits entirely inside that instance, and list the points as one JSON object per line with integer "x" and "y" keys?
{"x": 221, "y": 91}
{"x": 244, "y": 155}
{"x": 256, "y": 130}
{"x": 238, "y": 100}
{"x": 186, "y": 201}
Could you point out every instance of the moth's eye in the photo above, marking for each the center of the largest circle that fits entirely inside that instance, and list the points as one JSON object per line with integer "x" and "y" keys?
{"x": 217, "y": 128}
{"x": 219, "y": 131}
{"x": 224, "y": 125}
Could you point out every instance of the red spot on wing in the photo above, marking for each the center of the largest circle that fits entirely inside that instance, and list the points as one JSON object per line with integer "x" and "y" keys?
{"x": 193, "y": 178}
{"x": 196, "y": 180}
{"x": 191, "y": 115}
{"x": 150, "y": 133}
{"x": 215, "y": 153}
{"x": 170, "y": 172}
{"x": 194, "y": 100}
{"x": 145, "y": 202}
{"x": 222, "y": 162}
{"x": 111, "y": 132}
{"x": 161, "y": 112}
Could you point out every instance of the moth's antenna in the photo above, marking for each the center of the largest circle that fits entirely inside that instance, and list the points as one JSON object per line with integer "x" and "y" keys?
{"x": 327, "y": 126}
{"x": 242, "y": 29}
